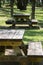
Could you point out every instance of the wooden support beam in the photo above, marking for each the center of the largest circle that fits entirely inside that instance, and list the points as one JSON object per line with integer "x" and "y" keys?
{"x": 11, "y": 4}
{"x": 0, "y": 3}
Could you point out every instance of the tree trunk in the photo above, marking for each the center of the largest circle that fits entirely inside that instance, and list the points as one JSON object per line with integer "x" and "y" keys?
{"x": 42, "y": 2}
{"x": 0, "y": 3}
{"x": 22, "y": 4}
{"x": 11, "y": 4}
{"x": 33, "y": 10}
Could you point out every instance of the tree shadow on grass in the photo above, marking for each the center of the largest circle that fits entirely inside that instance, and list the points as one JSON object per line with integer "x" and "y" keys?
{"x": 34, "y": 33}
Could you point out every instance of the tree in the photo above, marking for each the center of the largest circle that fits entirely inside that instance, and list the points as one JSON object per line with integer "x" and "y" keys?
{"x": 3, "y": 2}
{"x": 42, "y": 2}
{"x": 11, "y": 4}
{"x": 33, "y": 9}
{"x": 0, "y": 3}
{"x": 22, "y": 4}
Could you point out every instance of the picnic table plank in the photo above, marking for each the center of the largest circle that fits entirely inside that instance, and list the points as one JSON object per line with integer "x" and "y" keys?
{"x": 11, "y": 37}
{"x": 11, "y": 34}
{"x": 35, "y": 48}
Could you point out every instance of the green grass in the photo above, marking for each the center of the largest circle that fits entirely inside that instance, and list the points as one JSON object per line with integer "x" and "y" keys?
{"x": 30, "y": 35}
{"x": 38, "y": 12}
{"x": 6, "y": 13}
{"x": 2, "y": 21}
{"x": 33, "y": 35}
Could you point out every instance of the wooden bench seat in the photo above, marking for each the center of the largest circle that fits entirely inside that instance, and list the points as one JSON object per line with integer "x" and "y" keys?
{"x": 17, "y": 22}
{"x": 22, "y": 22}
{"x": 9, "y": 21}
{"x": 33, "y": 21}
{"x": 25, "y": 24}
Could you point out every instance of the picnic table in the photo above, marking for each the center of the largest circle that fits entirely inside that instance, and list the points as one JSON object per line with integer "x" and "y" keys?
{"x": 11, "y": 37}
{"x": 20, "y": 19}
{"x": 14, "y": 38}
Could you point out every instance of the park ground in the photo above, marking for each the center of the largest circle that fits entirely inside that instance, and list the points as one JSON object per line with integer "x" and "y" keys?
{"x": 30, "y": 34}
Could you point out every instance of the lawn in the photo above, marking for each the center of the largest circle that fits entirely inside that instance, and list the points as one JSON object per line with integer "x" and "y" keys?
{"x": 5, "y": 12}
{"x": 33, "y": 35}
{"x": 30, "y": 35}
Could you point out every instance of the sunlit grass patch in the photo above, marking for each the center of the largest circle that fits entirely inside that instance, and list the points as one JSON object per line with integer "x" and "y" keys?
{"x": 33, "y": 35}
{"x": 2, "y": 21}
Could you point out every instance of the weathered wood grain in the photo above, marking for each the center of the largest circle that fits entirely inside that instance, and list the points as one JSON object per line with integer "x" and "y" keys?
{"x": 11, "y": 37}
{"x": 11, "y": 34}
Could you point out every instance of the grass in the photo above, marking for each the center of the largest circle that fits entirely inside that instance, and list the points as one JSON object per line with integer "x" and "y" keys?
{"x": 33, "y": 35}
{"x": 2, "y": 21}
{"x": 38, "y": 12}
{"x": 30, "y": 35}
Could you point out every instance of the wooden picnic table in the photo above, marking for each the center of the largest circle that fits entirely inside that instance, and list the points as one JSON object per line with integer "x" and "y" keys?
{"x": 11, "y": 37}
{"x": 14, "y": 38}
{"x": 21, "y": 19}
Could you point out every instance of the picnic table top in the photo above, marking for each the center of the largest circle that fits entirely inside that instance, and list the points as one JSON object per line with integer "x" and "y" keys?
{"x": 25, "y": 15}
{"x": 11, "y": 34}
